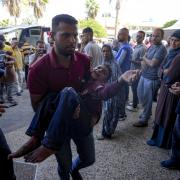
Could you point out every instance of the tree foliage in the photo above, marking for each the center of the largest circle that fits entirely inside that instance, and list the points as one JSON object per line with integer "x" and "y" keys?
{"x": 28, "y": 20}
{"x": 38, "y": 7}
{"x": 4, "y": 23}
{"x": 169, "y": 23}
{"x": 14, "y": 6}
{"x": 92, "y": 8}
{"x": 98, "y": 29}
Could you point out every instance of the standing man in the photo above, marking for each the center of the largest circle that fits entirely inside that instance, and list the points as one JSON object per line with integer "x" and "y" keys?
{"x": 18, "y": 64}
{"x": 10, "y": 79}
{"x": 138, "y": 53}
{"x": 149, "y": 81}
{"x": 26, "y": 50}
{"x": 91, "y": 48}
{"x": 39, "y": 52}
{"x": 63, "y": 67}
{"x": 123, "y": 57}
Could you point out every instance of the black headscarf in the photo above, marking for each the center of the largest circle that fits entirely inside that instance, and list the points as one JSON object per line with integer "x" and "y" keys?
{"x": 172, "y": 52}
{"x": 176, "y": 34}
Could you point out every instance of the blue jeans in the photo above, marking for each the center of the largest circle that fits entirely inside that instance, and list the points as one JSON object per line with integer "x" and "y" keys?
{"x": 86, "y": 156}
{"x": 6, "y": 166}
{"x": 176, "y": 140}
{"x": 1, "y": 72}
{"x": 122, "y": 101}
{"x": 61, "y": 128}
{"x": 61, "y": 122}
{"x": 146, "y": 91}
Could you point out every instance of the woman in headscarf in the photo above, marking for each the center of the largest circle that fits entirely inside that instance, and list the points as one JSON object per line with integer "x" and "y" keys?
{"x": 165, "y": 111}
{"x": 113, "y": 107}
{"x": 174, "y": 161}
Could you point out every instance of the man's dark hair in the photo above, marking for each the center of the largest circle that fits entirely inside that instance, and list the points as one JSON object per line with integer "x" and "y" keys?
{"x": 87, "y": 30}
{"x": 142, "y": 32}
{"x": 125, "y": 29}
{"x": 2, "y": 38}
{"x": 39, "y": 42}
{"x": 62, "y": 18}
{"x": 7, "y": 43}
{"x": 161, "y": 30}
{"x": 14, "y": 39}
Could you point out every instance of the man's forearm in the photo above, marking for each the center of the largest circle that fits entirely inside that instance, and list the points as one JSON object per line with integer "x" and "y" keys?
{"x": 152, "y": 63}
{"x": 148, "y": 62}
{"x": 111, "y": 89}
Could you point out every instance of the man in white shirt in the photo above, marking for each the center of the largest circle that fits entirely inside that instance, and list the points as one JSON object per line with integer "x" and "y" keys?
{"x": 40, "y": 51}
{"x": 91, "y": 48}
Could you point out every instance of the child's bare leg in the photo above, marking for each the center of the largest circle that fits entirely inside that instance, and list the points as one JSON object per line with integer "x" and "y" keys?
{"x": 39, "y": 154}
{"x": 29, "y": 146}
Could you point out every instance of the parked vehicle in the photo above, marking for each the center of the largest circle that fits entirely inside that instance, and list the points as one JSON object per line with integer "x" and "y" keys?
{"x": 30, "y": 33}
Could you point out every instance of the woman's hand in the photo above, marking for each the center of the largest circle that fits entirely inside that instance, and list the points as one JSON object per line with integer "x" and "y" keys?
{"x": 175, "y": 89}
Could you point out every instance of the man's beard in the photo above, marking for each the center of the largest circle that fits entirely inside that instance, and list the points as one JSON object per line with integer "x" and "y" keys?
{"x": 64, "y": 53}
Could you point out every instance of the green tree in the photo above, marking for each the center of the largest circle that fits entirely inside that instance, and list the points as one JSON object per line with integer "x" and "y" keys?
{"x": 28, "y": 20}
{"x": 4, "y": 23}
{"x": 169, "y": 23}
{"x": 98, "y": 29}
{"x": 13, "y": 7}
{"x": 92, "y": 8}
{"x": 38, "y": 7}
{"x": 117, "y": 9}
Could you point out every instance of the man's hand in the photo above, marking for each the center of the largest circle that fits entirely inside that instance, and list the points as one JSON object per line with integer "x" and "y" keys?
{"x": 129, "y": 76}
{"x": 175, "y": 89}
{"x": 143, "y": 65}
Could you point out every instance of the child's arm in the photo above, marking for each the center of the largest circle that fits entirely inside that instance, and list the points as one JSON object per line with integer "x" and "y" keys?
{"x": 109, "y": 90}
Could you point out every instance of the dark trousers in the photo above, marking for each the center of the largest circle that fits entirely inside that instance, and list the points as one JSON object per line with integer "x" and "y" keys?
{"x": 134, "y": 93}
{"x": 6, "y": 166}
{"x": 176, "y": 140}
{"x": 126, "y": 92}
{"x": 54, "y": 116}
{"x": 86, "y": 156}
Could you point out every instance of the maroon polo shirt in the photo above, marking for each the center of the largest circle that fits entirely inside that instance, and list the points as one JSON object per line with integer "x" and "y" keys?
{"x": 48, "y": 76}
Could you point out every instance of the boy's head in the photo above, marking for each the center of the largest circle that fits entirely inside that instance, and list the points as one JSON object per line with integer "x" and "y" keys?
{"x": 101, "y": 73}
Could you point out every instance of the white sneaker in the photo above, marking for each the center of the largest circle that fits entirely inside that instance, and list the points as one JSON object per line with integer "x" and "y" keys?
{"x": 130, "y": 103}
{"x": 100, "y": 137}
{"x": 130, "y": 108}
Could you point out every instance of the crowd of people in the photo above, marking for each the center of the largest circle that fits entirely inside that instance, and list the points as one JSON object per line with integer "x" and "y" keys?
{"x": 72, "y": 85}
